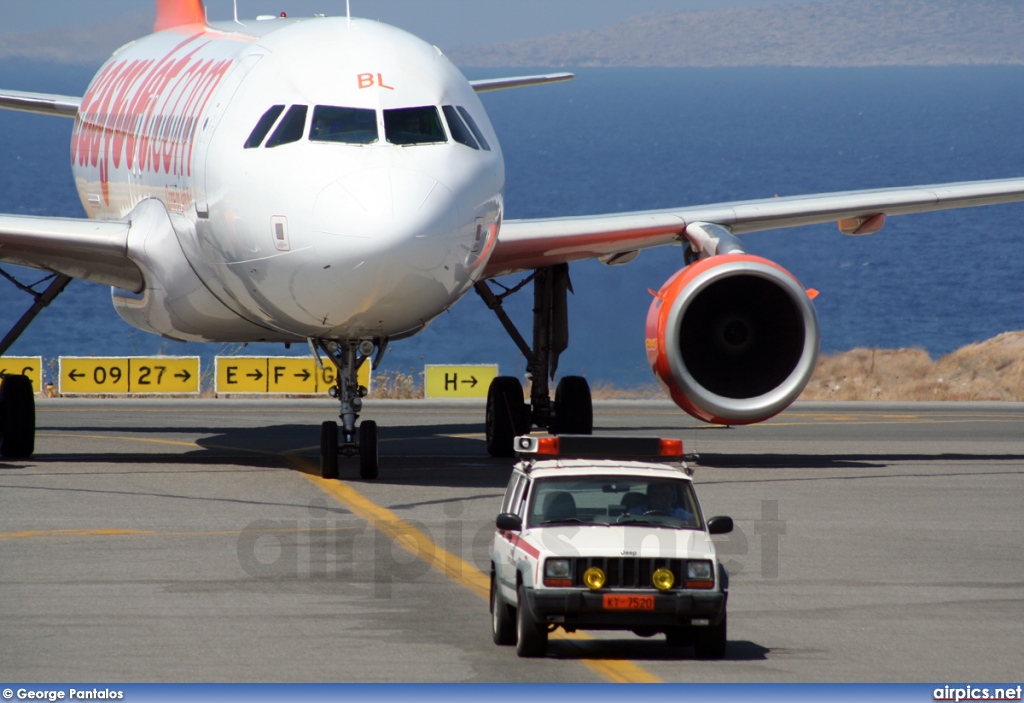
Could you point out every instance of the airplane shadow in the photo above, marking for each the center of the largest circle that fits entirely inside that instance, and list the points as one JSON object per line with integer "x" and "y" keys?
{"x": 450, "y": 454}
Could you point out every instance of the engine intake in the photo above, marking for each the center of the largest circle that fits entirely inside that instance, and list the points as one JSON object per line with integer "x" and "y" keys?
{"x": 733, "y": 338}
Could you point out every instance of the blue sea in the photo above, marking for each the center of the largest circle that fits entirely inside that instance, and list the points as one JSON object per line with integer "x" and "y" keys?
{"x": 632, "y": 139}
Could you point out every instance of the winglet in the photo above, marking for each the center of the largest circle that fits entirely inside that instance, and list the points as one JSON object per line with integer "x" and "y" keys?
{"x": 175, "y": 13}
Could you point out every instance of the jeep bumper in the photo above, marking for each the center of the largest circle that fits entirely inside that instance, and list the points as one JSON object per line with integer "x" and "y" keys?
{"x": 574, "y": 608}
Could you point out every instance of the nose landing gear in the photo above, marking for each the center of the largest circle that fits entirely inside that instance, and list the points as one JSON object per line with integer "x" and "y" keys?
{"x": 351, "y": 438}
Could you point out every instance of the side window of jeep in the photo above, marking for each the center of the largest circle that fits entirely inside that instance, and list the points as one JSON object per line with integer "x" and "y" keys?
{"x": 510, "y": 490}
{"x": 518, "y": 505}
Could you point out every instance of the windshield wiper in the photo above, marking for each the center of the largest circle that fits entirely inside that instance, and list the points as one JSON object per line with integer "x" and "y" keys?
{"x": 565, "y": 520}
{"x": 637, "y": 520}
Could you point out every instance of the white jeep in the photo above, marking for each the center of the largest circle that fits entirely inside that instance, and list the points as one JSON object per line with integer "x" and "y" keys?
{"x": 590, "y": 542}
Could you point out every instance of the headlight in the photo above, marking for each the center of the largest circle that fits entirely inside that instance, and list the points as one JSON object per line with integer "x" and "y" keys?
{"x": 557, "y": 569}
{"x": 663, "y": 579}
{"x": 698, "y": 570}
{"x": 700, "y": 574}
{"x": 594, "y": 578}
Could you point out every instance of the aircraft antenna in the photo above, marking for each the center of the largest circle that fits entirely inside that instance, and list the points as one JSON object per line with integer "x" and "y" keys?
{"x": 348, "y": 12}
{"x": 236, "y": 11}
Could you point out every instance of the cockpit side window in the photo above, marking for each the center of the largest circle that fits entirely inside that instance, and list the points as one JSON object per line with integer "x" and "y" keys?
{"x": 346, "y": 125}
{"x": 413, "y": 125}
{"x": 473, "y": 126}
{"x": 457, "y": 127}
{"x": 259, "y": 132}
{"x": 292, "y": 127}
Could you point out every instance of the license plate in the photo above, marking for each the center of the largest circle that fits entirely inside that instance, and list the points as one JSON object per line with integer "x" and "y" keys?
{"x": 613, "y": 602}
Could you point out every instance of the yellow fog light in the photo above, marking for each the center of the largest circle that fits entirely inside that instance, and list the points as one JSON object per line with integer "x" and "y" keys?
{"x": 663, "y": 579}
{"x": 594, "y": 578}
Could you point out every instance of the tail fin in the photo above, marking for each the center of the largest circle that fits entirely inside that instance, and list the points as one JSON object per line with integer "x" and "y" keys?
{"x": 174, "y": 13}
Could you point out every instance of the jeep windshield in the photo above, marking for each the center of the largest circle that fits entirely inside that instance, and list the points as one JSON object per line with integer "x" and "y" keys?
{"x": 610, "y": 500}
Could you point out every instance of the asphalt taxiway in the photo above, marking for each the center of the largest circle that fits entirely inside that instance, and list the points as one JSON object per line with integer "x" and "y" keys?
{"x": 192, "y": 540}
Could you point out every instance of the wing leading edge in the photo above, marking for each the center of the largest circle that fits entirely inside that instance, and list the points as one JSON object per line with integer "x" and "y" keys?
{"x": 40, "y": 103}
{"x": 530, "y": 244}
{"x": 91, "y": 250}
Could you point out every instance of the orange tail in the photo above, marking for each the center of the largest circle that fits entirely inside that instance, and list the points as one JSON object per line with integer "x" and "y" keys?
{"x": 174, "y": 13}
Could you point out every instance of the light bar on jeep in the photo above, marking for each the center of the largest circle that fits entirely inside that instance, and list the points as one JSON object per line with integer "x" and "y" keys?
{"x": 575, "y": 446}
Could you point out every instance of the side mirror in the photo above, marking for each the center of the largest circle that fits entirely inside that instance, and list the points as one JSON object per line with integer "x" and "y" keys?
{"x": 720, "y": 525}
{"x": 513, "y": 523}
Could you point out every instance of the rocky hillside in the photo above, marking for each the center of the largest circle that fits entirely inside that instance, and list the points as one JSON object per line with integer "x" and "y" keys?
{"x": 846, "y": 33}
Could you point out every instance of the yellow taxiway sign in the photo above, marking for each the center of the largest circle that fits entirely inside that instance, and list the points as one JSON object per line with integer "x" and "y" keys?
{"x": 143, "y": 375}
{"x": 441, "y": 381}
{"x": 31, "y": 366}
{"x": 296, "y": 375}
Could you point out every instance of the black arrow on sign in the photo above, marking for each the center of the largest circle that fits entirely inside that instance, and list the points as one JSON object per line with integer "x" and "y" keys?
{"x": 184, "y": 375}
{"x": 75, "y": 375}
{"x": 256, "y": 374}
{"x": 304, "y": 375}
{"x": 474, "y": 382}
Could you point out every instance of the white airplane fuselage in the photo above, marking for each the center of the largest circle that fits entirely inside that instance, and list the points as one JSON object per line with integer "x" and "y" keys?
{"x": 306, "y": 238}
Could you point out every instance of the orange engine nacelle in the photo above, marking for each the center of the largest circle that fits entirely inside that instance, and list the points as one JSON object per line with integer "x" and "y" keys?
{"x": 733, "y": 338}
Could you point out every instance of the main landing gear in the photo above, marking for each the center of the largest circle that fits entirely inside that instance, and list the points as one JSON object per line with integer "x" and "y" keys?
{"x": 571, "y": 412}
{"x": 17, "y": 402}
{"x": 350, "y": 439}
{"x": 17, "y": 417}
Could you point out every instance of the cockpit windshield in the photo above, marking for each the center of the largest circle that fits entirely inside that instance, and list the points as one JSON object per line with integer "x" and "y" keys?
{"x": 413, "y": 125}
{"x": 353, "y": 125}
{"x": 347, "y": 125}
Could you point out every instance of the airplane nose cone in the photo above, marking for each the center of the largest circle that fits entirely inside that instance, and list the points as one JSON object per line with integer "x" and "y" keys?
{"x": 385, "y": 204}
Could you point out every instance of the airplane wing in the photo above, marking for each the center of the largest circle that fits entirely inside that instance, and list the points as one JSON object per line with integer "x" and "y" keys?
{"x": 41, "y": 103}
{"x": 489, "y": 84}
{"x": 615, "y": 238}
{"x": 91, "y": 250}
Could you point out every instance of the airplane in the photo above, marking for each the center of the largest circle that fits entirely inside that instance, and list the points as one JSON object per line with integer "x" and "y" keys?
{"x": 336, "y": 181}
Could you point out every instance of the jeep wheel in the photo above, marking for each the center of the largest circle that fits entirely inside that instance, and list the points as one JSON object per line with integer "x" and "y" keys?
{"x": 531, "y": 636}
{"x": 709, "y": 642}
{"x": 503, "y": 623}
{"x": 679, "y": 637}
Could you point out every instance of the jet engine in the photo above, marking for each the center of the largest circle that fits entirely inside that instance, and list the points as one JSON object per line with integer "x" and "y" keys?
{"x": 733, "y": 338}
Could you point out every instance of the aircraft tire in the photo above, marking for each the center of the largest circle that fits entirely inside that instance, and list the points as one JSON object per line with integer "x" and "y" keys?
{"x": 574, "y": 409}
{"x": 329, "y": 449}
{"x": 17, "y": 417}
{"x": 369, "y": 464}
{"x": 505, "y": 415}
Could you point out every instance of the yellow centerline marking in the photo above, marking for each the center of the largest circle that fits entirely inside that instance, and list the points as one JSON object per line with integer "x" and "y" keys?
{"x": 417, "y": 543}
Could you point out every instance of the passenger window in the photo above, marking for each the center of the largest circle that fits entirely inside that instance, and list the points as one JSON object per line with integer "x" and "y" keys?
{"x": 473, "y": 126}
{"x": 457, "y": 127}
{"x": 346, "y": 125}
{"x": 262, "y": 128}
{"x": 292, "y": 127}
{"x": 413, "y": 125}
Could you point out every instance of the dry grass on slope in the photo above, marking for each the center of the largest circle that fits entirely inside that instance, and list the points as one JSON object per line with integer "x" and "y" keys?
{"x": 989, "y": 370}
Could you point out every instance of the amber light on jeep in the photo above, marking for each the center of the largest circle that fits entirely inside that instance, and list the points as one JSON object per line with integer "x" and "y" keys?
{"x": 601, "y": 447}
{"x": 663, "y": 579}
{"x": 594, "y": 578}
